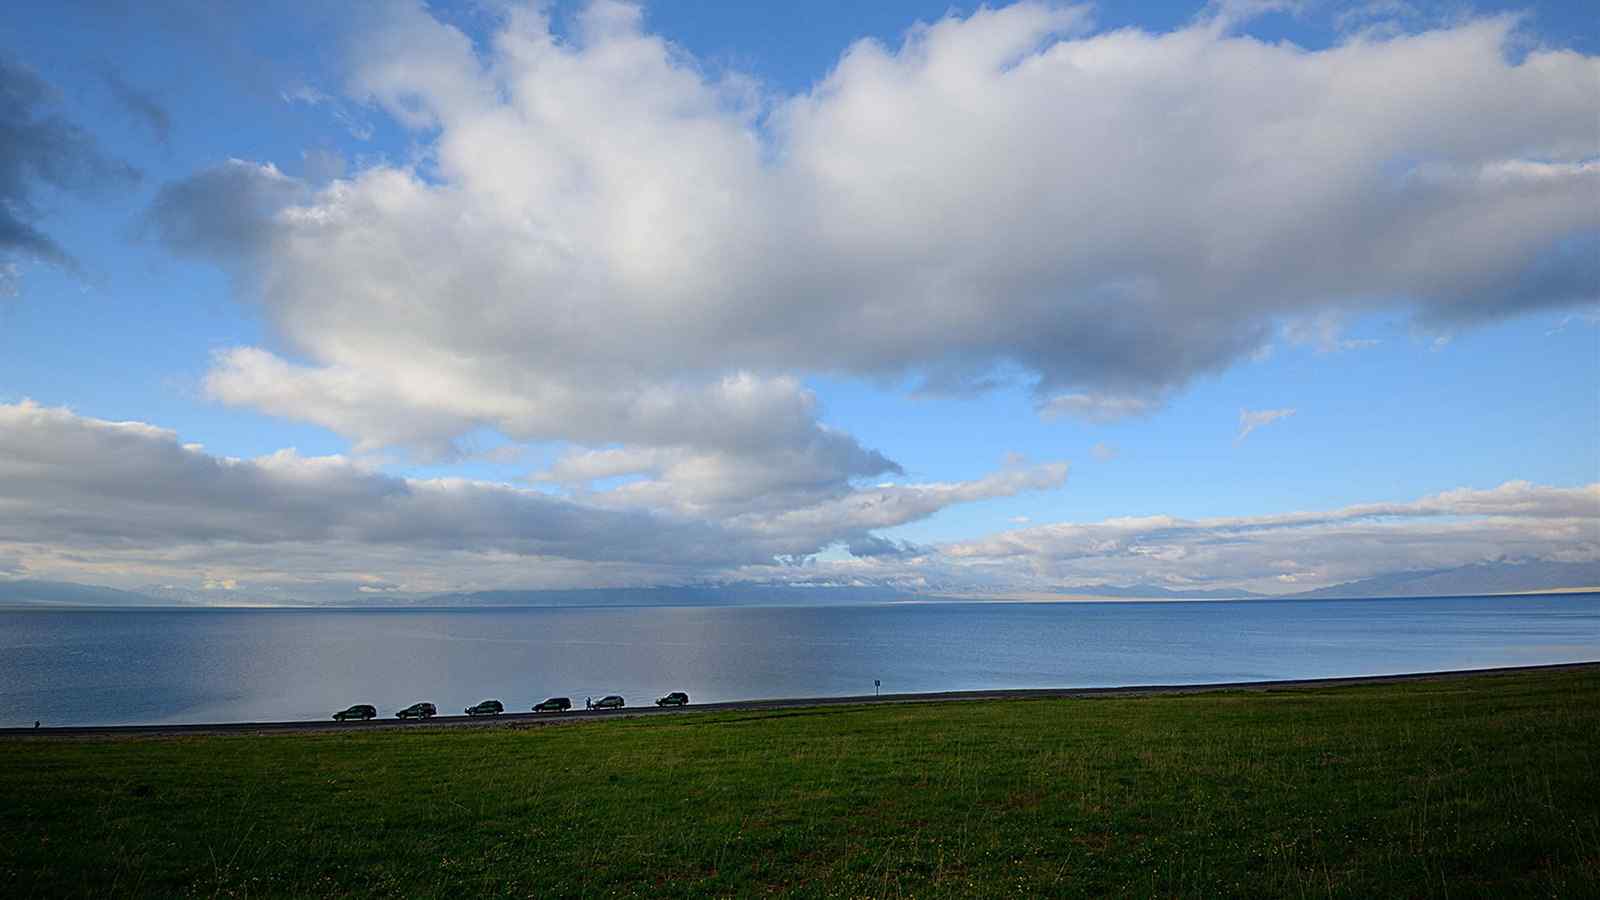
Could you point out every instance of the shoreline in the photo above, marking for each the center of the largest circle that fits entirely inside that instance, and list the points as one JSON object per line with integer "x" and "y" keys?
{"x": 532, "y": 719}
{"x": 1020, "y": 598}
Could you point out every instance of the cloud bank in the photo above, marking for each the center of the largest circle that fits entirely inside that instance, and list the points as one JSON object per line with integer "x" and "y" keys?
{"x": 128, "y": 503}
{"x": 96, "y": 498}
{"x": 1294, "y": 551}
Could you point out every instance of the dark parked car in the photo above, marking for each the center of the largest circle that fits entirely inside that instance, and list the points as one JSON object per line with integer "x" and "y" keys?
{"x": 362, "y": 711}
{"x": 418, "y": 711}
{"x": 554, "y": 704}
{"x": 676, "y": 698}
{"x": 610, "y": 701}
{"x": 487, "y": 708}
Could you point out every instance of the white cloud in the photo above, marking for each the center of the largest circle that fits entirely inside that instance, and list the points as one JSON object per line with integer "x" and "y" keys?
{"x": 92, "y": 499}
{"x": 1325, "y": 332}
{"x": 1516, "y": 520}
{"x": 1104, "y": 452}
{"x": 1377, "y": 18}
{"x": 313, "y": 97}
{"x": 130, "y": 504}
{"x": 692, "y": 483}
{"x": 888, "y": 506}
{"x": 1098, "y": 408}
{"x": 1590, "y": 317}
{"x": 1251, "y": 419}
{"x": 1113, "y": 214}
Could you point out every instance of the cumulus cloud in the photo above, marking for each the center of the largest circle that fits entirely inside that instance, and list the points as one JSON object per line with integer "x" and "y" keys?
{"x": 85, "y": 495}
{"x": 1113, "y": 214}
{"x": 224, "y": 212}
{"x": 40, "y": 149}
{"x": 1251, "y": 419}
{"x": 131, "y": 504}
{"x": 80, "y": 481}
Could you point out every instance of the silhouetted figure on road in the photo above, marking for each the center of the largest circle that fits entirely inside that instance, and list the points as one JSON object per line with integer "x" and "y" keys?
{"x": 588, "y": 703}
{"x": 36, "y": 723}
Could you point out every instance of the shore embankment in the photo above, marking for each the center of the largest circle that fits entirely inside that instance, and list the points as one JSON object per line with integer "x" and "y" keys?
{"x": 526, "y": 719}
{"x": 1481, "y": 784}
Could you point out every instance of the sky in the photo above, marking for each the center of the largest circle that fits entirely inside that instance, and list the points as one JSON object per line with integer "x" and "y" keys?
{"x": 305, "y": 305}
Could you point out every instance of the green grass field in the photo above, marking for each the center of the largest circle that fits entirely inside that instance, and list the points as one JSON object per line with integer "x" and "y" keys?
{"x": 1477, "y": 787}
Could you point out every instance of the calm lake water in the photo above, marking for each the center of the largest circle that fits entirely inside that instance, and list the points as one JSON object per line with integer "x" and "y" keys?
{"x": 101, "y": 667}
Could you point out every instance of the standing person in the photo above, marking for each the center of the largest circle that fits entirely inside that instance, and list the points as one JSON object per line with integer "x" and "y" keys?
{"x": 588, "y": 703}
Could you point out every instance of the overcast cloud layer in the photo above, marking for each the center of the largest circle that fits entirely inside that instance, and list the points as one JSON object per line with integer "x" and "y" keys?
{"x": 604, "y": 245}
{"x": 129, "y": 504}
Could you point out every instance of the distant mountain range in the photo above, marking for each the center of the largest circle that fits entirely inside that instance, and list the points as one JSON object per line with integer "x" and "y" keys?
{"x": 1482, "y": 578}
{"x": 27, "y": 592}
{"x": 702, "y": 595}
{"x": 1155, "y": 592}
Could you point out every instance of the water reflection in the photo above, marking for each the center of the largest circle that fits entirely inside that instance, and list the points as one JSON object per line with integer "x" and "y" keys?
{"x": 89, "y": 666}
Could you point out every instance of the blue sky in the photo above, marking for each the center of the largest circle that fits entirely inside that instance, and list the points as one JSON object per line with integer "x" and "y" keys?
{"x": 1397, "y": 376}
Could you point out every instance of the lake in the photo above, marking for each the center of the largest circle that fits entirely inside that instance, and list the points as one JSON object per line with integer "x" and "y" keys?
{"x": 83, "y": 666}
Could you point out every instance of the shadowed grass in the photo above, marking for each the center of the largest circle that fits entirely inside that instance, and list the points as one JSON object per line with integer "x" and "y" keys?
{"x": 1479, "y": 787}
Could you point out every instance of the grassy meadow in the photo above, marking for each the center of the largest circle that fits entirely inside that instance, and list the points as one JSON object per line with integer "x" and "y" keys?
{"x": 1476, "y": 787}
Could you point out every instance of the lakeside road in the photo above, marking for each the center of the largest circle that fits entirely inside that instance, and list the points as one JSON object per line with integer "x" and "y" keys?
{"x": 527, "y": 719}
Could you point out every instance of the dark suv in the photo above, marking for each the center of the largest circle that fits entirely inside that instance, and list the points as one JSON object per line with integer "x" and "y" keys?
{"x": 362, "y": 711}
{"x": 487, "y": 708}
{"x": 554, "y": 704}
{"x": 610, "y": 701}
{"x": 676, "y": 698}
{"x": 418, "y": 711}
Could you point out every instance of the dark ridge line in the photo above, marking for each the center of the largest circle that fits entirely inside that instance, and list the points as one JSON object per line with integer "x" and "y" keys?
{"x": 526, "y": 719}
